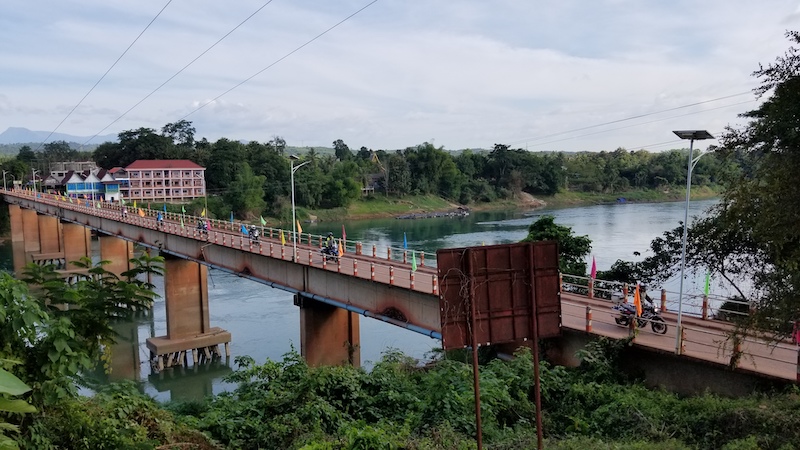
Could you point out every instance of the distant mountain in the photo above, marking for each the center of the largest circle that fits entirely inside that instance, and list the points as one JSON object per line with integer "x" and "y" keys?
{"x": 14, "y": 135}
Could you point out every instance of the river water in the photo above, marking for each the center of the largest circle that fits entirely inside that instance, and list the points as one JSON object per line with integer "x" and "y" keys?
{"x": 264, "y": 323}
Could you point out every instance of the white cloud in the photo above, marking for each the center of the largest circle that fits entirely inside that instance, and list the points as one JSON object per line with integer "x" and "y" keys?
{"x": 464, "y": 74}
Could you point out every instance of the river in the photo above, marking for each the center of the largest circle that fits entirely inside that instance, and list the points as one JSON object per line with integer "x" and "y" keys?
{"x": 264, "y": 323}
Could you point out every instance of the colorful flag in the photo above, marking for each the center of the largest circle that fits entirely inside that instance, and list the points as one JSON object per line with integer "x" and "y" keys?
{"x": 202, "y": 214}
{"x": 413, "y": 261}
{"x": 708, "y": 281}
{"x": 165, "y": 207}
{"x": 183, "y": 209}
{"x": 637, "y": 300}
{"x": 70, "y": 200}
{"x": 134, "y": 204}
{"x": 141, "y": 213}
{"x": 344, "y": 234}
{"x": 263, "y": 222}
{"x": 283, "y": 238}
{"x": 299, "y": 228}
{"x": 594, "y": 269}
{"x": 181, "y": 222}
{"x": 231, "y": 216}
{"x": 122, "y": 201}
{"x": 341, "y": 248}
{"x": 405, "y": 241}
{"x": 244, "y": 230}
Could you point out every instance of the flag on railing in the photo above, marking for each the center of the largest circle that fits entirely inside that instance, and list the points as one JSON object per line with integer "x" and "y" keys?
{"x": 134, "y": 204}
{"x": 413, "y": 261}
{"x": 99, "y": 204}
{"x": 244, "y": 230}
{"x": 283, "y": 238}
{"x": 708, "y": 281}
{"x": 231, "y": 216}
{"x": 405, "y": 241}
{"x": 181, "y": 221}
{"x": 299, "y": 228}
{"x": 165, "y": 207}
{"x": 263, "y": 222}
{"x": 203, "y": 213}
{"x": 637, "y": 300}
{"x": 141, "y": 212}
{"x": 122, "y": 201}
{"x": 183, "y": 209}
{"x": 594, "y": 269}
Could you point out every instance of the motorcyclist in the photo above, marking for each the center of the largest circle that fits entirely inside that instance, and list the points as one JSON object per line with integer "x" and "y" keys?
{"x": 253, "y": 232}
{"x": 330, "y": 245}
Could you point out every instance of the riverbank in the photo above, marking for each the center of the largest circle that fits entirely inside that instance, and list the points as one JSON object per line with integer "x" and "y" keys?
{"x": 387, "y": 207}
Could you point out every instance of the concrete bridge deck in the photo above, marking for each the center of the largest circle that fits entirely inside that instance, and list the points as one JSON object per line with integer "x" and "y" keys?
{"x": 390, "y": 289}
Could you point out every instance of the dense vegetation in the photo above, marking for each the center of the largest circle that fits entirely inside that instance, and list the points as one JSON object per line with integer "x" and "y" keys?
{"x": 253, "y": 179}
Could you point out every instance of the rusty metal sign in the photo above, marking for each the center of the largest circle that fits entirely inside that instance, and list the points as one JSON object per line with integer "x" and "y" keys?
{"x": 514, "y": 289}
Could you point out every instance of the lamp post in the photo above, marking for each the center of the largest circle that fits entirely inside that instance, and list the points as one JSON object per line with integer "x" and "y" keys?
{"x": 33, "y": 178}
{"x": 4, "y": 179}
{"x": 692, "y": 135}
{"x": 292, "y": 159}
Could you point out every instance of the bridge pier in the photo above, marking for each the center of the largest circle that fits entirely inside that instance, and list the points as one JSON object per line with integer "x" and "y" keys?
{"x": 17, "y": 229}
{"x": 117, "y": 251}
{"x": 49, "y": 234}
{"x": 30, "y": 226}
{"x": 77, "y": 243}
{"x": 329, "y": 336}
{"x": 188, "y": 324}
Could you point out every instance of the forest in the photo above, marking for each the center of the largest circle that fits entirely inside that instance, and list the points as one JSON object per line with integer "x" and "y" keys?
{"x": 253, "y": 178}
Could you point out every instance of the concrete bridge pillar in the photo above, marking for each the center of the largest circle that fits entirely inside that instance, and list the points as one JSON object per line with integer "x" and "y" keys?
{"x": 118, "y": 251}
{"x": 188, "y": 324}
{"x": 49, "y": 234}
{"x": 17, "y": 229}
{"x": 77, "y": 243}
{"x": 329, "y": 335}
{"x": 30, "y": 226}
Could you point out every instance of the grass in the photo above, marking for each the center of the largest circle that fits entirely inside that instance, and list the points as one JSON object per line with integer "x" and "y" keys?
{"x": 382, "y": 206}
{"x": 590, "y": 198}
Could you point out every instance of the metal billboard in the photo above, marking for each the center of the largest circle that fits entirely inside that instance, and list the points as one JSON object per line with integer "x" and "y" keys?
{"x": 509, "y": 292}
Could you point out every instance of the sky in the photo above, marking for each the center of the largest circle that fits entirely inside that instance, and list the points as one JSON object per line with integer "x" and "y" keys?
{"x": 389, "y": 74}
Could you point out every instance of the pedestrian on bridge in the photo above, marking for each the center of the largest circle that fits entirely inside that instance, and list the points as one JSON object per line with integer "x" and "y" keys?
{"x": 160, "y": 219}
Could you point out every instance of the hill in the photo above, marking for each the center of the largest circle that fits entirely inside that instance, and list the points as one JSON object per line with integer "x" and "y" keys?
{"x": 18, "y": 135}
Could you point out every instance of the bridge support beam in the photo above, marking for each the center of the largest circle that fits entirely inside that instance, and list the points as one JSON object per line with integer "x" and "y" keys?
{"x": 188, "y": 324}
{"x": 49, "y": 234}
{"x": 77, "y": 243}
{"x": 118, "y": 251}
{"x": 17, "y": 229}
{"x": 30, "y": 226}
{"x": 329, "y": 336}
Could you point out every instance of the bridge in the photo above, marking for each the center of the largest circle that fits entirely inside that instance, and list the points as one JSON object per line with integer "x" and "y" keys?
{"x": 389, "y": 284}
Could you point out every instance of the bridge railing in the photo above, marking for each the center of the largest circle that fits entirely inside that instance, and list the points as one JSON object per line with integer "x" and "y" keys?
{"x": 699, "y": 305}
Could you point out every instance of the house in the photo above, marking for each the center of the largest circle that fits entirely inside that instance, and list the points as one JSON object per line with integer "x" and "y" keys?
{"x": 176, "y": 180}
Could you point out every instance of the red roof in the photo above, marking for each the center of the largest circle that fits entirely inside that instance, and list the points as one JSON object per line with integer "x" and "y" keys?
{"x": 144, "y": 164}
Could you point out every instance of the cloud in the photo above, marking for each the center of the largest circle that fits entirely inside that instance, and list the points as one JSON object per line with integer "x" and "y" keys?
{"x": 465, "y": 74}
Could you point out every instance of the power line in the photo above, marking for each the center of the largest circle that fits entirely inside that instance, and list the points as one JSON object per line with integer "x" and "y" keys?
{"x": 279, "y": 60}
{"x": 626, "y": 119}
{"x": 643, "y": 123}
{"x": 102, "y": 77}
{"x": 181, "y": 70}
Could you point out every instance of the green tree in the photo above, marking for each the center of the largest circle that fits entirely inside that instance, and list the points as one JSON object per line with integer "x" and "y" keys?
{"x": 245, "y": 193}
{"x": 342, "y": 151}
{"x": 572, "y": 249}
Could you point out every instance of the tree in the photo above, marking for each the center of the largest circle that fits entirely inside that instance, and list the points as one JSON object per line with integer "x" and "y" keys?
{"x": 246, "y": 193}
{"x": 342, "y": 151}
{"x": 572, "y": 249}
{"x": 181, "y": 133}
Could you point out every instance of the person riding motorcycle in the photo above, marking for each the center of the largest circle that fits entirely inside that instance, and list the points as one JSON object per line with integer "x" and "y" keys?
{"x": 253, "y": 232}
{"x": 330, "y": 242}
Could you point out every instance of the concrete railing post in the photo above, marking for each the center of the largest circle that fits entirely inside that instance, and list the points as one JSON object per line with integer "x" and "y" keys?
{"x": 705, "y": 307}
{"x": 422, "y": 259}
{"x": 435, "y": 284}
{"x": 405, "y": 256}
{"x": 355, "y": 267}
{"x": 591, "y": 288}
{"x": 588, "y": 319}
{"x": 391, "y": 276}
{"x": 412, "y": 279}
{"x": 388, "y": 253}
{"x": 374, "y": 251}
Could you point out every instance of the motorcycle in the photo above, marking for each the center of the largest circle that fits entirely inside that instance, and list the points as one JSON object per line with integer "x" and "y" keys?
{"x": 255, "y": 237}
{"x": 330, "y": 253}
{"x": 627, "y": 313}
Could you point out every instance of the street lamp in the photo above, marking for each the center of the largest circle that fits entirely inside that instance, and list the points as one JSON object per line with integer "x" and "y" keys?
{"x": 692, "y": 135}
{"x": 33, "y": 178}
{"x": 4, "y": 179}
{"x": 292, "y": 159}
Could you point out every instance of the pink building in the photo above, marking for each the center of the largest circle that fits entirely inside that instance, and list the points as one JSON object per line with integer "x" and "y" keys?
{"x": 169, "y": 180}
